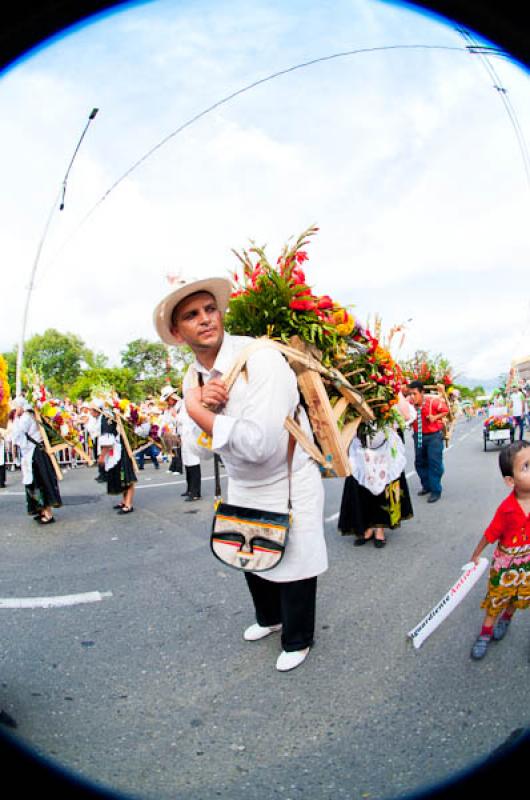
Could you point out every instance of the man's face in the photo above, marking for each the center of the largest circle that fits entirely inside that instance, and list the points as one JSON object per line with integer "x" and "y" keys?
{"x": 415, "y": 397}
{"x": 197, "y": 322}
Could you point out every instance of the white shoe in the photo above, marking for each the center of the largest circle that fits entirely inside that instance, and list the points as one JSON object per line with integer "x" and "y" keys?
{"x": 287, "y": 661}
{"x": 256, "y": 632}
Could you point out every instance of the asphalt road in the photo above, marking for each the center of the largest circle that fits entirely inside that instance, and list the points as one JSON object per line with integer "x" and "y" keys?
{"x": 148, "y": 687}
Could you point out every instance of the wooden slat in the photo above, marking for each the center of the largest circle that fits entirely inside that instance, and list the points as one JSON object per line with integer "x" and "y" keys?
{"x": 339, "y": 408}
{"x": 125, "y": 440}
{"x": 358, "y": 402}
{"x": 64, "y": 444}
{"x": 321, "y": 417}
{"x": 349, "y": 431}
{"x": 47, "y": 447}
{"x": 304, "y": 440}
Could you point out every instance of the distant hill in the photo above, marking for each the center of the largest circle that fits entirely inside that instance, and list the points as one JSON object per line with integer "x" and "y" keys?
{"x": 489, "y": 384}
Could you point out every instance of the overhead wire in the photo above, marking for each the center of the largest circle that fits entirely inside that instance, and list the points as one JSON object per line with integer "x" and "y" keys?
{"x": 482, "y": 52}
{"x": 233, "y": 96}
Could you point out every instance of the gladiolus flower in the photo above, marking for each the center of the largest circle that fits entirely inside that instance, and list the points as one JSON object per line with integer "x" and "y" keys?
{"x": 302, "y": 304}
{"x": 325, "y": 302}
{"x": 297, "y": 276}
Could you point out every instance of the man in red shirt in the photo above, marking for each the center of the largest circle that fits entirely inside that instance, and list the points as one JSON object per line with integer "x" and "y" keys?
{"x": 428, "y": 439}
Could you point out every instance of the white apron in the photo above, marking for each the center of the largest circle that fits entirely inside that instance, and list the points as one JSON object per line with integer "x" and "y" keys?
{"x": 305, "y": 554}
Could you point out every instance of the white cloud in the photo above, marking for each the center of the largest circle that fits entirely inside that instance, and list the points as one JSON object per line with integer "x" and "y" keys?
{"x": 406, "y": 160}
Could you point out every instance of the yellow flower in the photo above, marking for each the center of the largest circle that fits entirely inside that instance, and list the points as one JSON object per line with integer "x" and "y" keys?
{"x": 344, "y": 322}
{"x": 124, "y": 404}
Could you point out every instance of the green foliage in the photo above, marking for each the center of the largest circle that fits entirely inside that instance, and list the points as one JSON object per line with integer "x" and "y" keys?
{"x": 11, "y": 359}
{"x": 57, "y": 357}
{"x": 470, "y": 394}
{"x": 147, "y": 359}
{"x": 275, "y": 301}
{"x": 90, "y": 381}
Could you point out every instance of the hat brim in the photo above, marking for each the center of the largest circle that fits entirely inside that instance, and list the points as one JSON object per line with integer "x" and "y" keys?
{"x": 165, "y": 396}
{"x": 220, "y": 288}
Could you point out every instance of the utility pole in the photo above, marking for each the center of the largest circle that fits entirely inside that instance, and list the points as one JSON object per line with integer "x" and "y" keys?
{"x": 20, "y": 349}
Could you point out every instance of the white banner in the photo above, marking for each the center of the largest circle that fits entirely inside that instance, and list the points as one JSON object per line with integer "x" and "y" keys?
{"x": 449, "y": 602}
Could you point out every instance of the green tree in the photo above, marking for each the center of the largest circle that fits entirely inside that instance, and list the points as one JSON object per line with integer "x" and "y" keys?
{"x": 57, "y": 357}
{"x": 11, "y": 359}
{"x": 122, "y": 380}
{"x": 146, "y": 359}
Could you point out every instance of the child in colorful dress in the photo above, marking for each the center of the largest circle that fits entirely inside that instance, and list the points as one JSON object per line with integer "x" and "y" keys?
{"x": 509, "y": 581}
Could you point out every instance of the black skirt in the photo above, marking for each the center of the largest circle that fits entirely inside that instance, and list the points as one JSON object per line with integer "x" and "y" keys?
{"x": 360, "y": 509}
{"x": 43, "y": 492}
{"x": 122, "y": 475}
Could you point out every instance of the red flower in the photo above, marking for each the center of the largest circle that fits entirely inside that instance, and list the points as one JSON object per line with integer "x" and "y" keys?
{"x": 302, "y": 304}
{"x": 325, "y": 302}
{"x": 297, "y": 276}
{"x": 301, "y": 256}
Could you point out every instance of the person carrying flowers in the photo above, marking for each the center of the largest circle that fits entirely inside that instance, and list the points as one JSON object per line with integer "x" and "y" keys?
{"x": 119, "y": 468}
{"x": 38, "y": 476}
{"x": 247, "y": 430}
{"x": 428, "y": 440}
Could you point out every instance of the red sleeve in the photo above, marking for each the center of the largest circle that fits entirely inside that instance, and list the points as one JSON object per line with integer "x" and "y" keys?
{"x": 495, "y": 528}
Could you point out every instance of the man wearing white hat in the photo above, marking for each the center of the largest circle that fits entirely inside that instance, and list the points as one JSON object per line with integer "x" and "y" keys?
{"x": 93, "y": 428}
{"x": 247, "y": 431}
{"x": 170, "y": 419}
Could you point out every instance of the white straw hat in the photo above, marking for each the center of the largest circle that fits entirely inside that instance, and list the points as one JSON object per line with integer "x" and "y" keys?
{"x": 167, "y": 392}
{"x": 220, "y": 288}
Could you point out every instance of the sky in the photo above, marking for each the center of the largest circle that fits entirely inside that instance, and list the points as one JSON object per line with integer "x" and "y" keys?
{"x": 403, "y": 154}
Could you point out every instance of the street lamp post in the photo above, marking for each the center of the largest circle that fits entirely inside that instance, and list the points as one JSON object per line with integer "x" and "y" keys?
{"x": 20, "y": 349}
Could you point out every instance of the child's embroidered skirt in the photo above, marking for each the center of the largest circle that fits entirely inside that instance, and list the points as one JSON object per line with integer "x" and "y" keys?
{"x": 509, "y": 581}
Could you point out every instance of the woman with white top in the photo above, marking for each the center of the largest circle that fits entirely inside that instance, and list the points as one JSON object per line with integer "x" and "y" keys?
{"x": 38, "y": 476}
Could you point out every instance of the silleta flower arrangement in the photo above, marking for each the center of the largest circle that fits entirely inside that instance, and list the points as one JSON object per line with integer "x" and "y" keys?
{"x": 365, "y": 360}
{"x": 500, "y": 423}
{"x": 59, "y": 423}
{"x": 277, "y": 301}
{"x": 434, "y": 371}
{"x": 4, "y": 393}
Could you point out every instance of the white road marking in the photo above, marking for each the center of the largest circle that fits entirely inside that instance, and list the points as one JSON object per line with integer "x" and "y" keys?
{"x": 60, "y": 601}
{"x": 174, "y": 483}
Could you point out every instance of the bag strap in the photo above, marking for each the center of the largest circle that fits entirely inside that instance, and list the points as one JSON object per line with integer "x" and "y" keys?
{"x": 290, "y": 455}
{"x": 33, "y": 441}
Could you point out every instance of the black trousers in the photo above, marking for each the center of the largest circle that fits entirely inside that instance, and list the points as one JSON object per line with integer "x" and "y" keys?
{"x": 176, "y": 460}
{"x": 290, "y": 604}
{"x": 193, "y": 480}
{"x": 3, "y": 475}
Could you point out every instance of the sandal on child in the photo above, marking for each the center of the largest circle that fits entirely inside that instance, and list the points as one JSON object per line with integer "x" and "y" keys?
{"x": 126, "y": 510}
{"x": 46, "y": 520}
{"x": 479, "y": 648}
{"x": 501, "y": 627}
{"x": 119, "y": 505}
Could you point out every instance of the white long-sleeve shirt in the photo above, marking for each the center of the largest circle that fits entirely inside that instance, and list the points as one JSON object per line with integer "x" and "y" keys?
{"x": 250, "y": 437}
{"x": 249, "y": 433}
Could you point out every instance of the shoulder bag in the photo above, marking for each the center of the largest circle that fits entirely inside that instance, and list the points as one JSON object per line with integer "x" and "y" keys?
{"x": 252, "y": 539}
